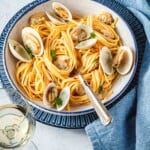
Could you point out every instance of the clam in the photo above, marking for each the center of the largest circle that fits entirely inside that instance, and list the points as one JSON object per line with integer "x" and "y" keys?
{"x": 106, "y": 60}
{"x": 81, "y": 33}
{"x": 62, "y": 62}
{"x": 86, "y": 44}
{"x": 37, "y": 18}
{"x": 62, "y": 11}
{"x": 123, "y": 61}
{"x": 107, "y": 34}
{"x": 84, "y": 35}
{"x": 60, "y": 14}
{"x": 49, "y": 95}
{"x": 64, "y": 96}
{"x": 51, "y": 98}
{"x": 32, "y": 41}
{"x": 79, "y": 91}
{"x": 106, "y": 18}
{"x": 18, "y": 51}
{"x": 55, "y": 19}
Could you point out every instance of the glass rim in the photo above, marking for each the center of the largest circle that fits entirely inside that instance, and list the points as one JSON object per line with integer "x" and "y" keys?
{"x": 27, "y": 105}
{"x": 27, "y": 110}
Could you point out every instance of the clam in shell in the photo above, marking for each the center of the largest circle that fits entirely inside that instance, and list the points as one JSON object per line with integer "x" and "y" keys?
{"x": 55, "y": 19}
{"x": 62, "y": 11}
{"x": 37, "y": 18}
{"x": 32, "y": 41}
{"x": 106, "y": 18}
{"x": 18, "y": 51}
{"x": 51, "y": 98}
{"x": 81, "y": 33}
{"x": 123, "y": 61}
{"x": 106, "y": 60}
{"x": 49, "y": 95}
{"x": 60, "y": 14}
{"x": 64, "y": 96}
{"x": 86, "y": 44}
{"x": 62, "y": 62}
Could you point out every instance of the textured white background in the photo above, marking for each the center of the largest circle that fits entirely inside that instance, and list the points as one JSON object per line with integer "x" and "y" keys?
{"x": 46, "y": 137}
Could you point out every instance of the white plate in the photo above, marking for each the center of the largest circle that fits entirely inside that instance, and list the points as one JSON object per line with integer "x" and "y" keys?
{"x": 84, "y": 7}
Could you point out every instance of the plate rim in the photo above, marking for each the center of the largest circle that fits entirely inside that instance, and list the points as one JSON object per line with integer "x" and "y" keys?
{"x": 81, "y": 111}
{"x": 7, "y": 29}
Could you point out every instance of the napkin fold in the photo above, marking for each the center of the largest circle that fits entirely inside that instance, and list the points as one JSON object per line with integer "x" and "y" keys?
{"x": 130, "y": 129}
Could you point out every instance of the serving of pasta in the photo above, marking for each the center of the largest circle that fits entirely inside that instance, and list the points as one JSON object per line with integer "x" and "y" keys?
{"x": 64, "y": 45}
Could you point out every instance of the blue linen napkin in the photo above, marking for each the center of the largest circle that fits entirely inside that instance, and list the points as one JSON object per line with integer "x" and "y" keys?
{"x": 130, "y": 128}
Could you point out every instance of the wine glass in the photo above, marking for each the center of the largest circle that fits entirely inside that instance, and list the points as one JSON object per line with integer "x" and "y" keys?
{"x": 17, "y": 123}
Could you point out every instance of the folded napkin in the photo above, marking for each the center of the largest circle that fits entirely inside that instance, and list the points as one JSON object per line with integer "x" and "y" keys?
{"x": 130, "y": 128}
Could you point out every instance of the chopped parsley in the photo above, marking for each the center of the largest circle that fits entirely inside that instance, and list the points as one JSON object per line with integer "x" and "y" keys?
{"x": 100, "y": 88}
{"x": 29, "y": 51}
{"x": 53, "y": 54}
{"x": 92, "y": 35}
{"x": 58, "y": 101}
{"x": 14, "y": 46}
{"x": 95, "y": 60}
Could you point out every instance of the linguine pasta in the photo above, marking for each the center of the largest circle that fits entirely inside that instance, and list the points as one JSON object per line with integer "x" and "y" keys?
{"x": 61, "y": 61}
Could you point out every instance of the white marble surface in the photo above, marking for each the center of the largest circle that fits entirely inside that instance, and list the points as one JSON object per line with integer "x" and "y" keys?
{"x": 46, "y": 137}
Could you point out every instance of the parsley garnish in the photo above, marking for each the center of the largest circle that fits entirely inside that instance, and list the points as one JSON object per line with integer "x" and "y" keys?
{"x": 58, "y": 101}
{"x": 92, "y": 35}
{"x": 95, "y": 60}
{"x": 29, "y": 51}
{"x": 53, "y": 54}
{"x": 100, "y": 88}
{"x": 14, "y": 46}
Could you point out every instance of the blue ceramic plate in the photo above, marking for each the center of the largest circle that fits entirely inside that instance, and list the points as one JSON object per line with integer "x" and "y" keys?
{"x": 129, "y": 28}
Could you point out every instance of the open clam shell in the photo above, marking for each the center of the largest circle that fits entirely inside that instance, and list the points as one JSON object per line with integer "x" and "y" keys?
{"x": 62, "y": 11}
{"x": 86, "y": 44}
{"x": 60, "y": 14}
{"x": 106, "y": 18}
{"x": 32, "y": 41}
{"x": 55, "y": 19}
{"x": 64, "y": 96}
{"x": 37, "y": 18}
{"x": 106, "y": 60}
{"x": 49, "y": 95}
{"x": 124, "y": 60}
{"x": 18, "y": 51}
{"x": 81, "y": 33}
{"x": 62, "y": 62}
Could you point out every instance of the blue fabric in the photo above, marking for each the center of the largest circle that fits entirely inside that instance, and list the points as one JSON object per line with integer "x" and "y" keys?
{"x": 130, "y": 128}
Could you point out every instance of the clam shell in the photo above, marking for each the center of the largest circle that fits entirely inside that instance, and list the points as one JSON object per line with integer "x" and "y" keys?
{"x": 86, "y": 44}
{"x": 83, "y": 27}
{"x": 37, "y": 18}
{"x": 55, "y": 19}
{"x": 124, "y": 59}
{"x": 64, "y": 96}
{"x": 18, "y": 51}
{"x": 32, "y": 40}
{"x": 56, "y": 5}
{"x": 106, "y": 60}
{"x": 46, "y": 103}
{"x": 106, "y": 18}
{"x": 62, "y": 62}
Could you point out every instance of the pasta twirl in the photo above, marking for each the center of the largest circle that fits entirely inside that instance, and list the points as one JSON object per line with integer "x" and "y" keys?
{"x": 68, "y": 61}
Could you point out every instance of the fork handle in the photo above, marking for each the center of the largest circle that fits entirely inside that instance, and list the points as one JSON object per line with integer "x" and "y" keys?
{"x": 99, "y": 107}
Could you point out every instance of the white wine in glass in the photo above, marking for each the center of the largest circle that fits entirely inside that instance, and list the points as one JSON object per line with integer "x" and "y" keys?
{"x": 17, "y": 123}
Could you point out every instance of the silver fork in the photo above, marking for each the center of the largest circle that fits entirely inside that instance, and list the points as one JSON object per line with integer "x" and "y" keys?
{"x": 99, "y": 107}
